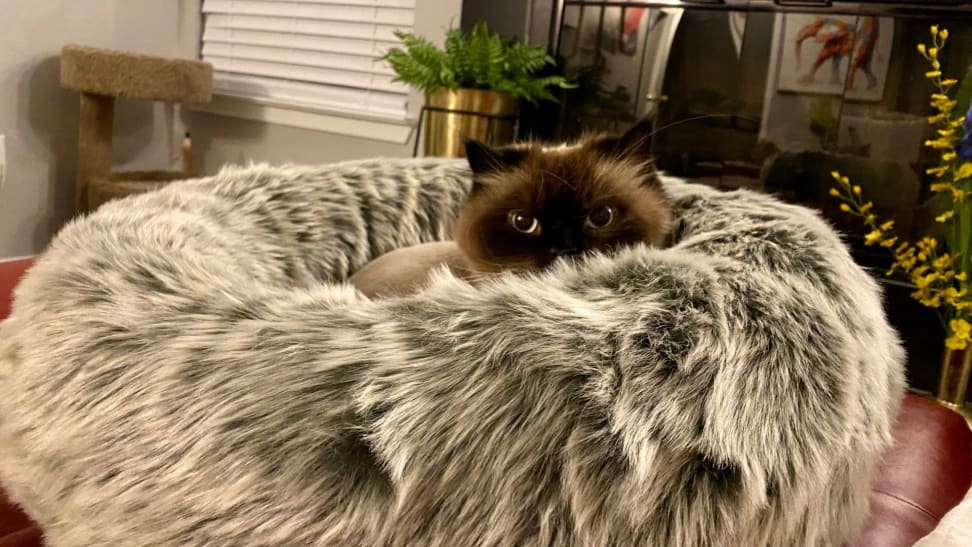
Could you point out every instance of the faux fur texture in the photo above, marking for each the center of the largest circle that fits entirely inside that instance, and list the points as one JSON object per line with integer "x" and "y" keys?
{"x": 186, "y": 368}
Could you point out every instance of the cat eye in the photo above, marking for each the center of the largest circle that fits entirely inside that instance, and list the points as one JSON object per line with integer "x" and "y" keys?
{"x": 523, "y": 222}
{"x": 601, "y": 217}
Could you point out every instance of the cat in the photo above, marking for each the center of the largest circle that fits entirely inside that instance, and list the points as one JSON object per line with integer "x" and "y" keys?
{"x": 531, "y": 205}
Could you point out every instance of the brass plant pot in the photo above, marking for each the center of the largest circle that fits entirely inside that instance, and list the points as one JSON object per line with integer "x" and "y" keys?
{"x": 458, "y": 114}
{"x": 954, "y": 379}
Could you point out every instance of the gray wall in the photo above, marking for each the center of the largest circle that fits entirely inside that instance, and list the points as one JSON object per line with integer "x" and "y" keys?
{"x": 507, "y": 17}
{"x": 39, "y": 119}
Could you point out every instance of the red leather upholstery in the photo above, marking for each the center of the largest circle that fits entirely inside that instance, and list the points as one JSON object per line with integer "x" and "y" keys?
{"x": 924, "y": 475}
{"x": 16, "y": 529}
{"x": 926, "y": 472}
{"x": 10, "y": 273}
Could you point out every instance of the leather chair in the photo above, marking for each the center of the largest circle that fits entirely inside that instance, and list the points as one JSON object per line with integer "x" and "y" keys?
{"x": 924, "y": 474}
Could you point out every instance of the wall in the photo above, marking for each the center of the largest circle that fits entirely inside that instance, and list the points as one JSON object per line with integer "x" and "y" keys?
{"x": 507, "y": 17}
{"x": 39, "y": 118}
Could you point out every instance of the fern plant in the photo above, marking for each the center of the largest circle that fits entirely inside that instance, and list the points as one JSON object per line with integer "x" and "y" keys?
{"x": 478, "y": 60}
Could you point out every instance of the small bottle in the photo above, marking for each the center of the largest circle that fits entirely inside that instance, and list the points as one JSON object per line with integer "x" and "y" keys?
{"x": 187, "y": 153}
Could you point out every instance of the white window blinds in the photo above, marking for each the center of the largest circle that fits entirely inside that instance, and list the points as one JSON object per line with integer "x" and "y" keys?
{"x": 312, "y": 53}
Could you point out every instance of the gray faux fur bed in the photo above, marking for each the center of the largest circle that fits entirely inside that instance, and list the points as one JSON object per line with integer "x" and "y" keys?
{"x": 186, "y": 368}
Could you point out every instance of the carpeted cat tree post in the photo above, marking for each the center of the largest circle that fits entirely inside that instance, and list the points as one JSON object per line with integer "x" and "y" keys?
{"x": 103, "y": 75}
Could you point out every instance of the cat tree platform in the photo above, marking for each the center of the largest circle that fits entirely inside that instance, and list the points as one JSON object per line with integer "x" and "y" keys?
{"x": 102, "y": 75}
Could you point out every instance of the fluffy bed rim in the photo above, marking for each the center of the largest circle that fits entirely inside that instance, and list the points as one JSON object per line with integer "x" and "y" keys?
{"x": 186, "y": 367}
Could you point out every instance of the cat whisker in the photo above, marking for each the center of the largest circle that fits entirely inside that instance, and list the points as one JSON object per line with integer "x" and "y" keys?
{"x": 561, "y": 179}
{"x": 694, "y": 119}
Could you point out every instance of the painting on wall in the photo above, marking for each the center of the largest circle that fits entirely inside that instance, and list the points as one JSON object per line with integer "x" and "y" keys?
{"x": 833, "y": 53}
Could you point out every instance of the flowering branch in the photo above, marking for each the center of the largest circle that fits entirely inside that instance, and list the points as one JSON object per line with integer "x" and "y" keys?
{"x": 941, "y": 278}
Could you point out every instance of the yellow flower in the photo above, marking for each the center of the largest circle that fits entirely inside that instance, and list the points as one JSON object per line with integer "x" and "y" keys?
{"x": 866, "y": 207}
{"x": 948, "y": 156}
{"x": 933, "y": 301}
{"x": 873, "y": 237}
{"x": 953, "y": 342}
{"x": 835, "y": 175}
{"x": 857, "y": 190}
{"x": 845, "y": 208}
{"x": 953, "y": 295}
{"x": 928, "y": 242}
{"x": 943, "y": 34}
{"x": 936, "y": 65}
{"x": 959, "y": 196}
{"x": 870, "y": 218}
{"x": 942, "y": 102}
{"x": 921, "y": 49}
{"x": 934, "y": 31}
{"x": 845, "y": 181}
{"x": 937, "y": 171}
{"x": 933, "y": 74}
{"x": 889, "y": 242}
{"x": 924, "y": 281}
{"x": 949, "y": 82}
{"x": 946, "y": 132}
{"x": 941, "y": 187}
{"x": 933, "y": 52}
{"x": 956, "y": 123}
{"x": 939, "y": 143}
{"x": 834, "y": 192}
{"x": 961, "y": 277}
{"x": 961, "y": 333}
{"x": 932, "y": 120}
{"x": 964, "y": 171}
{"x": 945, "y": 216}
{"x": 887, "y": 225}
{"x": 942, "y": 262}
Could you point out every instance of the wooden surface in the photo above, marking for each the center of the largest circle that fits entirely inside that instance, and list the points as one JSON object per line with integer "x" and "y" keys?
{"x": 94, "y": 144}
{"x": 134, "y": 76}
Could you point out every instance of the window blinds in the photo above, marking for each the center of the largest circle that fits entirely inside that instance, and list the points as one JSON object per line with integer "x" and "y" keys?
{"x": 312, "y": 53}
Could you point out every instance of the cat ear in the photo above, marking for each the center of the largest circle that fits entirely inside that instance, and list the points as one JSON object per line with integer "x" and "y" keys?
{"x": 634, "y": 144}
{"x": 485, "y": 159}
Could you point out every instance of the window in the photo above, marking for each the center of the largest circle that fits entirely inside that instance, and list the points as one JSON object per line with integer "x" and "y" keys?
{"x": 317, "y": 54}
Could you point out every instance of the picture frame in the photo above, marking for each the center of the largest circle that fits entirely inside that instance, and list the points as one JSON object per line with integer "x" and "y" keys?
{"x": 835, "y": 55}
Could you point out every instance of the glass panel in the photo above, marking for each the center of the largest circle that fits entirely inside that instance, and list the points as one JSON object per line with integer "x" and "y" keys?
{"x": 774, "y": 102}
{"x": 768, "y": 101}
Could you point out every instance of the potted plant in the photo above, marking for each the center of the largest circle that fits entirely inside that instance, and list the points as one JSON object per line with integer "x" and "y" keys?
{"x": 939, "y": 270}
{"x": 473, "y": 86}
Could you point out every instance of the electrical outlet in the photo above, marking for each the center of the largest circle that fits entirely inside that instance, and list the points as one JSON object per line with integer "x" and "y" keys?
{"x": 3, "y": 158}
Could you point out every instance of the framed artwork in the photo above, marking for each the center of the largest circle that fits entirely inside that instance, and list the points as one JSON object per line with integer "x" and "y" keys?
{"x": 833, "y": 53}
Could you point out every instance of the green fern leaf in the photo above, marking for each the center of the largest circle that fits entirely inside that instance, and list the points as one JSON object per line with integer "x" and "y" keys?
{"x": 479, "y": 59}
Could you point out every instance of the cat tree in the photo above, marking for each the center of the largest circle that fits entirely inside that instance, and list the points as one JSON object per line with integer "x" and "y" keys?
{"x": 103, "y": 75}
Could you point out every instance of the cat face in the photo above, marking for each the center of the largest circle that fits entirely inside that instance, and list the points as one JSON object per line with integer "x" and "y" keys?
{"x": 530, "y": 205}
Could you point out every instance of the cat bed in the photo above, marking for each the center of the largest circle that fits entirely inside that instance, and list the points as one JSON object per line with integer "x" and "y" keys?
{"x": 186, "y": 367}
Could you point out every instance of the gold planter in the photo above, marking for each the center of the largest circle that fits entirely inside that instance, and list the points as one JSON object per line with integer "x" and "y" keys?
{"x": 454, "y": 115}
{"x": 954, "y": 379}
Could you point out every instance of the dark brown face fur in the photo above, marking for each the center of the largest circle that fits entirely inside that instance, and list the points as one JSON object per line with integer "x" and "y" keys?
{"x": 569, "y": 192}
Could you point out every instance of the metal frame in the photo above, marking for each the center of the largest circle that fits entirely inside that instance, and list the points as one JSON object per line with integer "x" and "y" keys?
{"x": 912, "y": 7}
